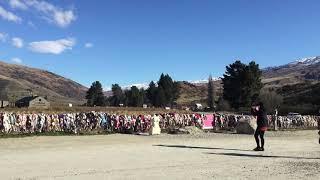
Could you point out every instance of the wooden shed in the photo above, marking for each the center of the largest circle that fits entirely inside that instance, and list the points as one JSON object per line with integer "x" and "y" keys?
{"x": 33, "y": 102}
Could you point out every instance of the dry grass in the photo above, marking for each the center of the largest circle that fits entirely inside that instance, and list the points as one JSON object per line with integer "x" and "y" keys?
{"x": 116, "y": 110}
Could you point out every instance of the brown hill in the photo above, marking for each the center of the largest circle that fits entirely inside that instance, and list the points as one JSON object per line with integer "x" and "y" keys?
{"x": 299, "y": 71}
{"x": 17, "y": 81}
{"x": 190, "y": 93}
{"x": 296, "y": 82}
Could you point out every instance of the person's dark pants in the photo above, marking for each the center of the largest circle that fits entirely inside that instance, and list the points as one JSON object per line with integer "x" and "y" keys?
{"x": 259, "y": 134}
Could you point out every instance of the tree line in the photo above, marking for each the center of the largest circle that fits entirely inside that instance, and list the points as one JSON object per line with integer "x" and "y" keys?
{"x": 160, "y": 94}
{"x": 241, "y": 86}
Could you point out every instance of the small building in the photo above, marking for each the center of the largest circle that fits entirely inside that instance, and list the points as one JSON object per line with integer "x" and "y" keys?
{"x": 4, "y": 103}
{"x": 33, "y": 102}
{"x": 198, "y": 106}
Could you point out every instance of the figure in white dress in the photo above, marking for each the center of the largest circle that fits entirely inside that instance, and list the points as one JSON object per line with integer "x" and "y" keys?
{"x": 155, "y": 128}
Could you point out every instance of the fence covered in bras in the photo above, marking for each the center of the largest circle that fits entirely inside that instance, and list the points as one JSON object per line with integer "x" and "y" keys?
{"x": 229, "y": 122}
{"x": 114, "y": 123}
{"x": 82, "y": 122}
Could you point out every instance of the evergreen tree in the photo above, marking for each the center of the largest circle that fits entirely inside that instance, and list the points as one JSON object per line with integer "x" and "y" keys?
{"x": 223, "y": 105}
{"x": 118, "y": 96}
{"x": 151, "y": 93}
{"x": 95, "y": 96}
{"x": 241, "y": 83}
{"x": 170, "y": 89}
{"x": 160, "y": 97}
{"x": 134, "y": 97}
{"x": 126, "y": 98}
{"x": 142, "y": 97}
{"x": 232, "y": 83}
{"x": 211, "y": 94}
{"x": 252, "y": 83}
{"x": 165, "y": 94}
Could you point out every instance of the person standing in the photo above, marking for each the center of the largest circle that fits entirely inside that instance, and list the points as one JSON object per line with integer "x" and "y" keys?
{"x": 258, "y": 110}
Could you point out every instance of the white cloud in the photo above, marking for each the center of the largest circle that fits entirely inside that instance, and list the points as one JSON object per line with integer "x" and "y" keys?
{"x": 88, "y": 45}
{"x": 30, "y": 23}
{"x": 16, "y": 60}
{"x": 17, "y": 42}
{"x": 64, "y": 18}
{"x": 3, "y": 37}
{"x": 17, "y": 4}
{"x": 47, "y": 11}
{"x": 9, "y": 16}
{"x": 52, "y": 47}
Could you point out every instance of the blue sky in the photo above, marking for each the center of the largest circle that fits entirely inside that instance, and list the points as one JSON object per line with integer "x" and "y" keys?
{"x": 134, "y": 41}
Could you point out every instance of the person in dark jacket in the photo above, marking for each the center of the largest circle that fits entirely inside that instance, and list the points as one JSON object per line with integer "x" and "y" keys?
{"x": 262, "y": 124}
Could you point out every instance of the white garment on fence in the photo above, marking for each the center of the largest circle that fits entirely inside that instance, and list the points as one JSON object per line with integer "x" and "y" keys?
{"x": 155, "y": 129}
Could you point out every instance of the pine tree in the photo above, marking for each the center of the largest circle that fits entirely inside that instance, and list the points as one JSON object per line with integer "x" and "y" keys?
{"x": 211, "y": 94}
{"x": 160, "y": 97}
{"x": 118, "y": 96}
{"x": 134, "y": 97}
{"x": 241, "y": 83}
{"x": 170, "y": 89}
{"x": 95, "y": 96}
{"x": 151, "y": 93}
{"x": 142, "y": 97}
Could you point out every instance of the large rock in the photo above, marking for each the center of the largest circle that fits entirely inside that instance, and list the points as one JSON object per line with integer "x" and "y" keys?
{"x": 246, "y": 125}
{"x": 178, "y": 131}
{"x": 186, "y": 130}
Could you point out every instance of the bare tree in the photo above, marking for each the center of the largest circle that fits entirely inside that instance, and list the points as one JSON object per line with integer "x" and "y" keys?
{"x": 270, "y": 99}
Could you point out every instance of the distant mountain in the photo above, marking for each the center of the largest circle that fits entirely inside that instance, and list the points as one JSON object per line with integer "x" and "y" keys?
{"x": 17, "y": 81}
{"x": 294, "y": 72}
{"x": 298, "y": 82}
{"x": 307, "y": 61}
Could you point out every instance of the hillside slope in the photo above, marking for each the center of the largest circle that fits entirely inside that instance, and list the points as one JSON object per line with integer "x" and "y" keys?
{"x": 17, "y": 81}
{"x": 299, "y": 71}
{"x": 298, "y": 82}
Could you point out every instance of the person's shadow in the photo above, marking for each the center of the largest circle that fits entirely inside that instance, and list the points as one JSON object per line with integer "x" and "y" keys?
{"x": 198, "y": 147}
{"x": 233, "y": 154}
{"x": 261, "y": 156}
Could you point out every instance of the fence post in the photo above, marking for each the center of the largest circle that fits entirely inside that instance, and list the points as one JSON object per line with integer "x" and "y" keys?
{"x": 275, "y": 120}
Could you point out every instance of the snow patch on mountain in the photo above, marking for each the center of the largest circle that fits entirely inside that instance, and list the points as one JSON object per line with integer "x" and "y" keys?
{"x": 306, "y": 61}
{"x": 299, "y": 62}
{"x": 203, "y": 81}
{"x": 138, "y": 85}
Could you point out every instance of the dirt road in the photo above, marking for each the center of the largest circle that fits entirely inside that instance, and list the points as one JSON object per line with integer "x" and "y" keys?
{"x": 289, "y": 155}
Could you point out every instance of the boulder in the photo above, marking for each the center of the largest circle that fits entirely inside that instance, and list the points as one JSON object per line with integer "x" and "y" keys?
{"x": 186, "y": 130}
{"x": 193, "y": 130}
{"x": 178, "y": 131}
{"x": 246, "y": 125}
